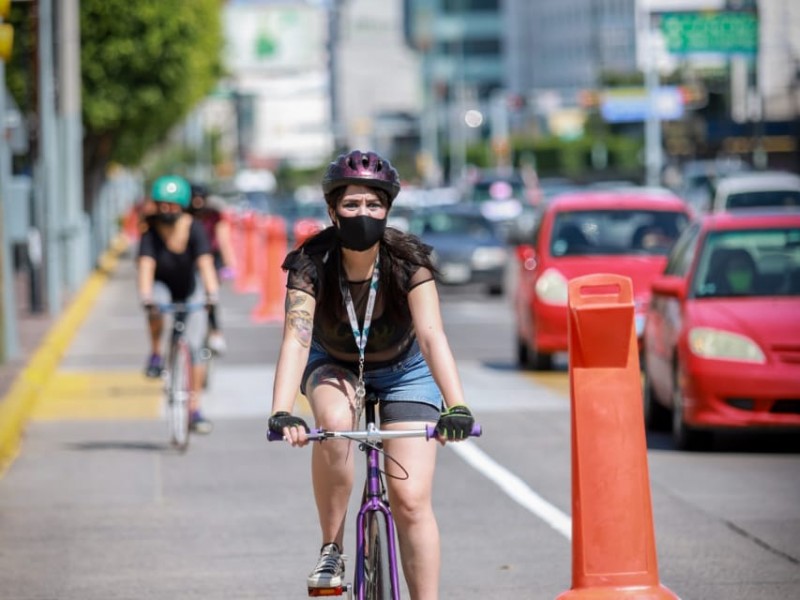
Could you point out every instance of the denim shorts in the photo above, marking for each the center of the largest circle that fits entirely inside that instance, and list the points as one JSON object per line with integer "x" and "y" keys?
{"x": 196, "y": 320}
{"x": 406, "y": 389}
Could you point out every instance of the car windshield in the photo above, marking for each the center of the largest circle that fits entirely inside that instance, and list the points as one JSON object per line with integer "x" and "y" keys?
{"x": 593, "y": 232}
{"x": 755, "y": 262}
{"x": 764, "y": 199}
{"x": 474, "y": 226}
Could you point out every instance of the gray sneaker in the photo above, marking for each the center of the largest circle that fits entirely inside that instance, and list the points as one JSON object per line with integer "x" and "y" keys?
{"x": 330, "y": 568}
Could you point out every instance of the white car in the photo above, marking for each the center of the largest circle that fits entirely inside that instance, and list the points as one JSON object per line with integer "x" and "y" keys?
{"x": 760, "y": 189}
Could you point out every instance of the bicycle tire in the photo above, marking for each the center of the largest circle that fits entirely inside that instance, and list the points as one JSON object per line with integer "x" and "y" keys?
{"x": 377, "y": 577}
{"x": 180, "y": 370}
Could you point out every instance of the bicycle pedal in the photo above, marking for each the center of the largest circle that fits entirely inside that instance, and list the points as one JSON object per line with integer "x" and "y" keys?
{"x": 321, "y": 592}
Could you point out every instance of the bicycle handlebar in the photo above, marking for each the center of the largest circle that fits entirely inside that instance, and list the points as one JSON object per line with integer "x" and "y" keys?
{"x": 373, "y": 435}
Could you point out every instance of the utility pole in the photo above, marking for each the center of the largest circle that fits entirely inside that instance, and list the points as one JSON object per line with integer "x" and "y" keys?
{"x": 9, "y": 342}
{"x": 70, "y": 147}
{"x": 653, "y": 155}
{"x": 47, "y": 172}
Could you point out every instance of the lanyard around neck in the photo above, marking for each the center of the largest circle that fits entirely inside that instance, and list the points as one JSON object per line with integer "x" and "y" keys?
{"x": 361, "y": 335}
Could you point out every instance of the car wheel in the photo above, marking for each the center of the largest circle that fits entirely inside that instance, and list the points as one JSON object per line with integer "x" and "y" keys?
{"x": 540, "y": 361}
{"x": 684, "y": 435}
{"x": 495, "y": 290}
{"x": 656, "y": 416}
{"x": 522, "y": 354}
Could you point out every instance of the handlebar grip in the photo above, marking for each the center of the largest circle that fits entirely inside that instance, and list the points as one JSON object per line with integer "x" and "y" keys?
{"x": 314, "y": 434}
{"x": 430, "y": 431}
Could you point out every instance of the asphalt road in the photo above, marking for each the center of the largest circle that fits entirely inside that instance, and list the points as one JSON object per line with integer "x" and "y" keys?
{"x": 97, "y": 506}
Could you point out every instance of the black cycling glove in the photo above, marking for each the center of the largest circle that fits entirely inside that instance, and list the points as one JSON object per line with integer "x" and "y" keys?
{"x": 455, "y": 423}
{"x": 282, "y": 419}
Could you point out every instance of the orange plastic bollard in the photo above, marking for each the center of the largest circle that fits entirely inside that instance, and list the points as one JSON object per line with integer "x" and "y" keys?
{"x": 273, "y": 279}
{"x": 251, "y": 255}
{"x": 613, "y": 544}
{"x": 304, "y": 229}
{"x": 130, "y": 224}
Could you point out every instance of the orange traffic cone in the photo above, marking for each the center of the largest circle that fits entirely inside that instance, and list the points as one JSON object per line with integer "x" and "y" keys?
{"x": 131, "y": 225}
{"x": 613, "y": 544}
{"x": 247, "y": 246}
{"x": 304, "y": 229}
{"x": 273, "y": 279}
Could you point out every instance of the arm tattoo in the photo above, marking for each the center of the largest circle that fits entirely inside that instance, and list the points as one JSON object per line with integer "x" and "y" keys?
{"x": 294, "y": 299}
{"x": 300, "y": 323}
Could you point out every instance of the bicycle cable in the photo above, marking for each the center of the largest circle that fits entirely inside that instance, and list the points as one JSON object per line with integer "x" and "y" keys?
{"x": 386, "y": 456}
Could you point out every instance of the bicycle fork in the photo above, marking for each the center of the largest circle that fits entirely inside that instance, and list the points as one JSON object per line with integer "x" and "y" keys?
{"x": 374, "y": 503}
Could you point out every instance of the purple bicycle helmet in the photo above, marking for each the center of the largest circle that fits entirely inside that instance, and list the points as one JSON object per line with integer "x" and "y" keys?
{"x": 362, "y": 168}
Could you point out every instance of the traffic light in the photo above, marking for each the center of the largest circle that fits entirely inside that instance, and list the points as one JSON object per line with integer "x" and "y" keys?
{"x": 6, "y": 32}
{"x": 6, "y": 41}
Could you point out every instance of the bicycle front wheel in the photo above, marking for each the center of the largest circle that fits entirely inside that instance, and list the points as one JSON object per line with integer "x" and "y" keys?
{"x": 377, "y": 577}
{"x": 179, "y": 389}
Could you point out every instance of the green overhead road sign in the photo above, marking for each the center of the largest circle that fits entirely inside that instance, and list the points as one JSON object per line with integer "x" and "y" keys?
{"x": 710, "y": 32}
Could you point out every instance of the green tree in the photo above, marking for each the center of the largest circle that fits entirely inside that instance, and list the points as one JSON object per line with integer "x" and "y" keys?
{"x": 144, "y": 65}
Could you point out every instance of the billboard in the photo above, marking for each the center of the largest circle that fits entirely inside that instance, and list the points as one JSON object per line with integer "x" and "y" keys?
{"x": 275, "y": 38}
{"x": 631, "y": 105}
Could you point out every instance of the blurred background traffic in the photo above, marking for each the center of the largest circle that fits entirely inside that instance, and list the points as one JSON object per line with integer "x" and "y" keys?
{"x": 489, "y": 109}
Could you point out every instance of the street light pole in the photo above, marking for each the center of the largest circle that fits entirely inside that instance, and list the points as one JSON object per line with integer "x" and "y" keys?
{"x": 48, "y": 169}
{"x": 653, "y": 157}
{"x": 9, "y": 342}
{"x": 76, "y": 227}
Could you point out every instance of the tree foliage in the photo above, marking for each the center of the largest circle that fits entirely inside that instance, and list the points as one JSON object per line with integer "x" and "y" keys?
{"x": 144, "y": 65}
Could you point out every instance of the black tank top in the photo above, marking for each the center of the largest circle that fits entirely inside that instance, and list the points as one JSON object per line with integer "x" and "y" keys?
{"x": 176, "y": 270}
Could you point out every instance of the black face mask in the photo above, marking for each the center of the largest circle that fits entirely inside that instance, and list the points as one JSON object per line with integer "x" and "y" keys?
{"x": 360, "y": 233}
{"x": 169, "y": 218}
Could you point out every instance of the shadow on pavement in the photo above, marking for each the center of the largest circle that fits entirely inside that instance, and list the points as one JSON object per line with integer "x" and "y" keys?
{"x": 119, "y": 445}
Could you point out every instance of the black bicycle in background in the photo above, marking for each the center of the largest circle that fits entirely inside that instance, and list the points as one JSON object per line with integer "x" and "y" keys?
{"x": 178, "y": 374}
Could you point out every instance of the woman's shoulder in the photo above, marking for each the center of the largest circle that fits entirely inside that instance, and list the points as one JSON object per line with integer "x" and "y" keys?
{"x": 313, "y": 251}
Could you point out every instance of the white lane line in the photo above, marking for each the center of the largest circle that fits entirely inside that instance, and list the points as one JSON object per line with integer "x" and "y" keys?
{"x": 512, "y": 485}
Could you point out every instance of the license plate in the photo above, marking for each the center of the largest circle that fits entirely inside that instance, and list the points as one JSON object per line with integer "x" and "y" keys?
{"x": 455, "y": 273}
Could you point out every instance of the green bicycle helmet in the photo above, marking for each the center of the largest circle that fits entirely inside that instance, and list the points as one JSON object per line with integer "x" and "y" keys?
{"x": 172, "y": 189}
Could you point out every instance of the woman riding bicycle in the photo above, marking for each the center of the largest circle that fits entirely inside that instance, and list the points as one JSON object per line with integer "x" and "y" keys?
{"x": 208, "y": 211}
{"x": 362, "y": 310}
{"x": 174, "y": 254}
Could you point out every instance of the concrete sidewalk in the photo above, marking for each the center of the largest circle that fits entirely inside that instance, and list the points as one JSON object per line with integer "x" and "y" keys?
{"x": 43, "y": 341}
{"x": 89, "y": 361}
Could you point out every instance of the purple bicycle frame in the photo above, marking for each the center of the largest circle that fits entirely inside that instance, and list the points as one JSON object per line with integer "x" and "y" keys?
{"x": 374, "y": 503}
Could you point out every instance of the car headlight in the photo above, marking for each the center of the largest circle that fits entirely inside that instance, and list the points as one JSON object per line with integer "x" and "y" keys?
{"x": 551, "y": 287}
{"x": 488, "y": 257}
{"x": 724, "y": 345}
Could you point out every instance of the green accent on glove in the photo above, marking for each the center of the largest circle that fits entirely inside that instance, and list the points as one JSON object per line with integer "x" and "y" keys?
{"x": 455, "y": 423}
{"x": 281, "y": 419}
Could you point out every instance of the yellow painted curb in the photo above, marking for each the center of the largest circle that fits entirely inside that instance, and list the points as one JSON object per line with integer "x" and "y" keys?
{"x": 18, "y": 404}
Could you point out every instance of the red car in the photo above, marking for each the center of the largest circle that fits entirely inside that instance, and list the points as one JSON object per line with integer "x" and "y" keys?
{"x": 722, "y": 340}
{"x": 627, "y": 231}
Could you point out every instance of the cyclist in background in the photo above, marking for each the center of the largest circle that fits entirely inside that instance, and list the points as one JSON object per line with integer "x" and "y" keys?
{"x": 208, "y": 211}
{"x": 362, "y": 309}
{"x": 175, "y": 264}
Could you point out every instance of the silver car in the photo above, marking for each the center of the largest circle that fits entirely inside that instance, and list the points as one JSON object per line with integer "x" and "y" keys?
{"x": 760, "y": 189}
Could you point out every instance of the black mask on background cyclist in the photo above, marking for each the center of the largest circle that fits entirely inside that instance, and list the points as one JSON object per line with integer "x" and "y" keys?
{"x": 169, "y": 218}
